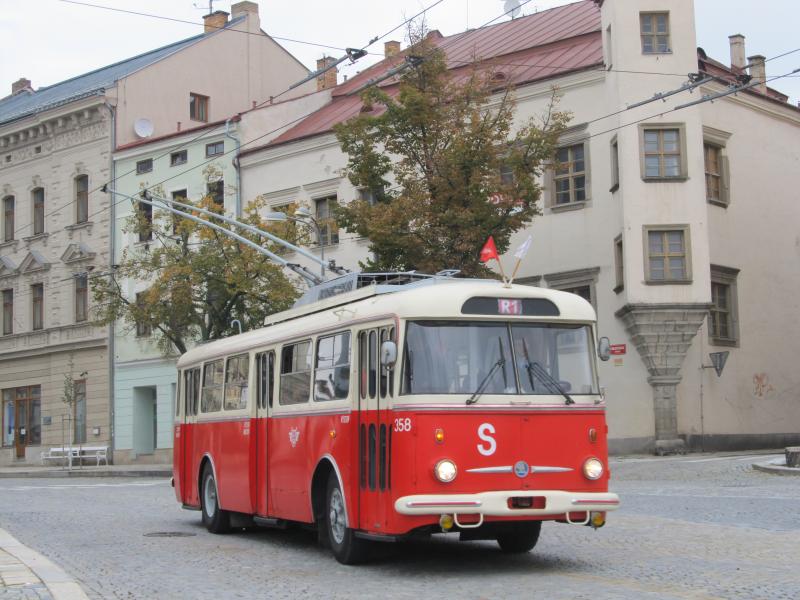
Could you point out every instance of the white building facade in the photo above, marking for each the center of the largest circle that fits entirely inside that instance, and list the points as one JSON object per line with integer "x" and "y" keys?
{"x": 659, "y": 218}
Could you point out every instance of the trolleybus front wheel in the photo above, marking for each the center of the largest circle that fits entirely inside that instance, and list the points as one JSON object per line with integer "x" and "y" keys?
{"x": 520, "y": 537}
{"x": 346, "y": 547}
{"x": 215, "y": 519}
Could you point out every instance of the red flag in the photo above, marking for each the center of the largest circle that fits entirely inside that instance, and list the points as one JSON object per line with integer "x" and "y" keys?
{"x": 489, "y": 251}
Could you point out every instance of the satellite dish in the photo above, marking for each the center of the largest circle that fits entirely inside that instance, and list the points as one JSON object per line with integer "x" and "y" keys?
{"x": 143, "y": 127}
{"x": 512, "y": 7}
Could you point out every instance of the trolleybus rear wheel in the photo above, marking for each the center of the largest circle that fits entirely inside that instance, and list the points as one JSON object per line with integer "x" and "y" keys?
{"x": 520, "y": 537}
{"x": 215, "y": 519}
{"x": 346, "y": 547}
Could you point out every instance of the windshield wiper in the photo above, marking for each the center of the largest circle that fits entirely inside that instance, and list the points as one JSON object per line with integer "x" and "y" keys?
{"x": 539, "y": 371}
{"x": 501, "y": 362}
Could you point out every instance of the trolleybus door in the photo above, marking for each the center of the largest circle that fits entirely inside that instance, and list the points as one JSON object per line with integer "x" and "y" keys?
{"x": 265, "y": 379}
{"x": 191, "y": 396}
{"x": 374, "y": 437}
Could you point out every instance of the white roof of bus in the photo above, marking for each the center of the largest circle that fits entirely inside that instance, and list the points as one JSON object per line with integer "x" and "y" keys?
{"x": 437, "y": 299}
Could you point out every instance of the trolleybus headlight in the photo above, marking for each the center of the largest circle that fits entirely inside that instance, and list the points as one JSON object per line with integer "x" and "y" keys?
{"x": 445, "y": 471}
{"x": 592, "y": 468}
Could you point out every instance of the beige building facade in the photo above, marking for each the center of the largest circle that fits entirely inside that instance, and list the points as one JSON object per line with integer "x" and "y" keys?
{"x": 57, "y": 369}
{"x": 678, "y": 223}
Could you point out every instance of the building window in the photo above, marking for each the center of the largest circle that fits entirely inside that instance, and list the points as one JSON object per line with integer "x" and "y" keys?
{"x": 663, "y": 152}
{"x": 216, "y": 189}
{"x": 81, "y": 297}
{"x": 144, "y": 166}
{"x": 177, "y": 196}
{"x": 82, "y": 198}
{"x": 215, "y": 149}
{"x": 374, "y": 195}
{"x": 8, "y": 218}
{"x": 580, "y": 282}
{"x": 614, "y": 165}
{"x": 145, "y": 224}
{"x": 667, "y": 254}
{"x": 619, "y": 273}
{"x": 8, "y": 312}
{"x": 178, "y": 158}
{"x": 22, "y": 417}
{"x": 37, "y": 305}
{"x": 570, "y": 175}
{"x": 655, "y": 32}
{"x": 198, "y": 108}
{"x": 37, "y": 196}
{"x": 79, "y": 411}
{"x": 142, "y": 326}
{"x": 328, "y": 230}
{"x": 723, "y": 319}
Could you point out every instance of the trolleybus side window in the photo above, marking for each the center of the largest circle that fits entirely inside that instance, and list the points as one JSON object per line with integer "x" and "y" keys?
{"x": 295, "y": 373}
{"x": 386, "y": 375}
{"x": 236, "y": 377}
{"x": 373, "y": 364}
{"x": 332, "y": 369}
{"x": 211, "y": 397}
{"x": 191, "y": 387}
{"x": 265, "y": 365}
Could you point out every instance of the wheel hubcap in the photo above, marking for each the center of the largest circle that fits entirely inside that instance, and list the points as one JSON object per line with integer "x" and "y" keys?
{"x": 210, "y": 497}
{"x": 336, "y": 516}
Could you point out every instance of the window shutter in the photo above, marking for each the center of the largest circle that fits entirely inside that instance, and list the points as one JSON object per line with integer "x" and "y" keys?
{"x": 724, "y": 180}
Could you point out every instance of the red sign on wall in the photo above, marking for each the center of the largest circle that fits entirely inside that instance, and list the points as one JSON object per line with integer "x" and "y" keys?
{"x": 618, "y": 349}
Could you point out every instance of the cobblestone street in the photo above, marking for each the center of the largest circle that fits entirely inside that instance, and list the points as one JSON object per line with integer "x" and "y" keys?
{"x": 699, "y": 526}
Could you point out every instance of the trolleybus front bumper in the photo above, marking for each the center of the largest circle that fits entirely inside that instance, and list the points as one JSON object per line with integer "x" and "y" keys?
{"x": 511, "y": 503}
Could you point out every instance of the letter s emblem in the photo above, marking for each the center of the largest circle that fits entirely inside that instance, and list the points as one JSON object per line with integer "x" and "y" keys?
{"x": 483, "y": 432}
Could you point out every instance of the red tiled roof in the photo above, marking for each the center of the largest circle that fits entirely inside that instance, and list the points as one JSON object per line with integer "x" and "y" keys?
{"x": 527, "y": 49}
{"x": 706, "y": 64}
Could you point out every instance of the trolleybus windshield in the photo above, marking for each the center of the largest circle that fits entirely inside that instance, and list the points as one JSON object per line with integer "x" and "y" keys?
{"x": 449, "y": 357}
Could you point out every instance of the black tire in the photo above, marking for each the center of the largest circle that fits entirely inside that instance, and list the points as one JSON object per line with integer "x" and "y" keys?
{"x": 346, "y": 547}
{"x": 215, "y": 519}
{"x": 520, "y": 537}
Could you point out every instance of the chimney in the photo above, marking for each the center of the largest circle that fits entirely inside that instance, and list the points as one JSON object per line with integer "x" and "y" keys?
{"x": 21, "y": 85}
{"x": 737, "y": 50}
{"x": 216, "y": 20}
{"x": 328, "y": 79}
{"x": 249, "y": 10}
{"x": 758, "y": 72}
{"x": 391, "y": 49}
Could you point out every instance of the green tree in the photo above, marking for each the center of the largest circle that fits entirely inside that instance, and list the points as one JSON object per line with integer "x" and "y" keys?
{"x": 445, "y": 164}
{"x": 200, "y": 280}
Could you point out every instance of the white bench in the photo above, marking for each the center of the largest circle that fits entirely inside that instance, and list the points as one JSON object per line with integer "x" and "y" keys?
{"x": 76, "y": 453}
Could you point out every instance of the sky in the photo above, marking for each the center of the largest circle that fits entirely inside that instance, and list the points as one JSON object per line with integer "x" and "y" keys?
{"x": 49, "y": 41}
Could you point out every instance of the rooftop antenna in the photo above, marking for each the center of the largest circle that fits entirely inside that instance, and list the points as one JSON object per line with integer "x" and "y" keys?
{"x": 512, "y": 7}
{"x": 210, "y": 6}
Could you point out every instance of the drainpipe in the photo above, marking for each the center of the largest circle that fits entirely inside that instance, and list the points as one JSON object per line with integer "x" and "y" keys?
{"x": 111, "y": 254}
{"x": 235, "y": 162}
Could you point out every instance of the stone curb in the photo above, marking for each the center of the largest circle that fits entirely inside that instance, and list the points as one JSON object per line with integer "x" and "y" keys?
{"x": 776, "y": 468}
{"x": 60, "y": 585}
{"x": 63, "y": 473}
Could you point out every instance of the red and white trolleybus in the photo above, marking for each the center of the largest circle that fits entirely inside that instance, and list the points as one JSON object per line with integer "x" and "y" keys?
{"x": 393, "y": 405}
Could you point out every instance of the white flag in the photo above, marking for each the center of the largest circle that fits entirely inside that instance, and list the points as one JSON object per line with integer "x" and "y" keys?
{"x": 523, "y": 249}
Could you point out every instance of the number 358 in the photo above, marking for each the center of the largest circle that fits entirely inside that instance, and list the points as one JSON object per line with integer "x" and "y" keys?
{"x": 401, "y": 425}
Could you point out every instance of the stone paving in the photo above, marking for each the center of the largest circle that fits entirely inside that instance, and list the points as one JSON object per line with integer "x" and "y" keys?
{"x": 699, "y": 526}
{"x": 17, "y": 581}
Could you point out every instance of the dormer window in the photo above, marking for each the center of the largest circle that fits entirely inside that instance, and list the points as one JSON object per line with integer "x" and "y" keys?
{"x": 655, "y": 32}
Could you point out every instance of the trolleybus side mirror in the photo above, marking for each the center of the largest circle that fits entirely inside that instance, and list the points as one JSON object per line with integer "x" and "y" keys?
{"x": 604, "y": 348}
{"x": 388, "y": 354}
